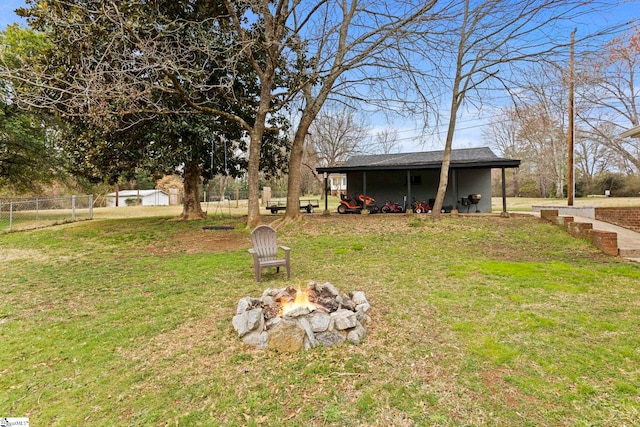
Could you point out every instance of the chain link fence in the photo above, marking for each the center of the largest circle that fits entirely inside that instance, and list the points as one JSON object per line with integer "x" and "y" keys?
{"x": 24, "y": 214}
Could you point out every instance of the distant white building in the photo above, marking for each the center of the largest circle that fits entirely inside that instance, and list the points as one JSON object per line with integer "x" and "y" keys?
{"x": 338, "y": 184}
{"x": 138, "y": 197}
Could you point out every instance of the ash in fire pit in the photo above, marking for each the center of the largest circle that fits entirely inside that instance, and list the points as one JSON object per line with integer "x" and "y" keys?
{"x": 289, "y": 319}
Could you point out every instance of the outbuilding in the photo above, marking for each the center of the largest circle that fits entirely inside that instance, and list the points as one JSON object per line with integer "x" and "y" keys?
{"x": 403, "y": 177}
{"x": 138, "y": 197}
{"x": 631, "y": 133}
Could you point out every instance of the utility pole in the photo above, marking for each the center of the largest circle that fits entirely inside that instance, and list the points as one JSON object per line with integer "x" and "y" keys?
{"x": 570, "y": 130}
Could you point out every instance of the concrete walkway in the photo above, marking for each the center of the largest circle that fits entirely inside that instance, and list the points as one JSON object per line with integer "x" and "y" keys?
{"x": 628, "y": 240}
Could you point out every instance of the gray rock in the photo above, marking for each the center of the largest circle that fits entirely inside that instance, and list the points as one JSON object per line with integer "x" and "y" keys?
{"x": 358, "y": 297}
{"x": 267, "y": 301}
{"x": 297, "y": 312}
{"x": 366, "y": 320}
{"x": 348, "y": 304}
{"x": 325, "y": 289}
{"x": 256, "y": 338}
{"x": 364, "y": 307}
{"x": 247, "y": 321}
{"x": 239, "y": 323}
{"x": 306, "y": 344}
{"x": 320, "y": 321}
{"x": 363, "y": 317}
{"x": 255, "y": 319}
{"x": 306, "y": 325}
{"x": 344, "y": 319}
{"x": 243, "y": 305}
{"x": 330, "y": 338}
{"x": 357, "y": 334}
{"x": 271, "y": 292}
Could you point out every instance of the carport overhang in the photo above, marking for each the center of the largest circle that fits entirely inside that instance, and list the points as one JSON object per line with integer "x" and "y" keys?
{"x": 494, "y": 163}
{"x": 631, "y": 133}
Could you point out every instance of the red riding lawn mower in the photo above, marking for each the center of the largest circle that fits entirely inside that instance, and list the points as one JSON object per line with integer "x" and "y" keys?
{"x": 356, "y": 204}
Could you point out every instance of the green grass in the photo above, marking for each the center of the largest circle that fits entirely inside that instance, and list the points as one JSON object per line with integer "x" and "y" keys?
{"x": 476, "y": 321}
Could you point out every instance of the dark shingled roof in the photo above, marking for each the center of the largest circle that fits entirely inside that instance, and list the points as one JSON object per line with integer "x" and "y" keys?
{"x": 481, "y": 157}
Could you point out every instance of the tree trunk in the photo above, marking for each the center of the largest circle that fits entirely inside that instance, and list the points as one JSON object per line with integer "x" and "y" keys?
{"x": 446, "y": 157}
{"x": 253, "y": 181}
{"x": 253, "y": 169}
{"x": 191, "y": 207}
{"x": 444, "y": 173}
{"x": 295, "y": 168}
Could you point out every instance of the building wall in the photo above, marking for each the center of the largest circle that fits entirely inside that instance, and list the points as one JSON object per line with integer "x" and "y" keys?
{"x": 392, "y": 186}
{"x": 475, "y": 181}
{"x": 157, "y": 198}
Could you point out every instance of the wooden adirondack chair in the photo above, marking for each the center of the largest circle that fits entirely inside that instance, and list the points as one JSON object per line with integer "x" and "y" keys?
{"x": 265, "y": 251}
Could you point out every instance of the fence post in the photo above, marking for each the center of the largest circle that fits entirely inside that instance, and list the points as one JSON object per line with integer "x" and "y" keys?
{"x": 73, "y": 208}
{"x": 10, "y": 216}
{"x": 90, "y": 206}
{"x": 37, "y": 209}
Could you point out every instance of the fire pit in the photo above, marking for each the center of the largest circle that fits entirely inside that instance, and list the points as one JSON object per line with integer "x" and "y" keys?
{"x": 290, "y": 319}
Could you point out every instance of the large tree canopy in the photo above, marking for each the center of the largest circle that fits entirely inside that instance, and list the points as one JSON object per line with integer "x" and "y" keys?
{"x": 28, "y": 157}
{"x": 117, "y": 67}
{"x": 241, "y": 61}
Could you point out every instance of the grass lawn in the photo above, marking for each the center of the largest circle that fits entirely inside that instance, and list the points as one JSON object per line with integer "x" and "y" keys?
{"x": 476, "y": 320}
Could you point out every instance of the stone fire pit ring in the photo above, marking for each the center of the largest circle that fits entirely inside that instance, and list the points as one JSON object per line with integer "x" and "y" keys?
{"x": 289, "y": 319}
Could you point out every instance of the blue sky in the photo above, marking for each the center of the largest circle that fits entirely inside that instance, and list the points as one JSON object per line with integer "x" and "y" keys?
{"x": 7, "y": 14}
{"x": 469, "y": 130}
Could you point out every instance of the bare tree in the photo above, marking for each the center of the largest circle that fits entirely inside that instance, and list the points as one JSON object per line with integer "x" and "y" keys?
{"x": 593, "y": 155}
{"x": 336, "y": 135}
{"x": 386, "y": 142}
{"x": 610, "y": 96}
{"x": 481, "y": 41}
{"x": 502, "y": 133}
{"x": 545, "y": 139}
{"x": 351, "y": 48}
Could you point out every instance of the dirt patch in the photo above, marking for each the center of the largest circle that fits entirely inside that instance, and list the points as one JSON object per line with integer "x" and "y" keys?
{"x": 202, "y": 241}
{"x": 502, "y": 391}
{"x": 8, "y": 255}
